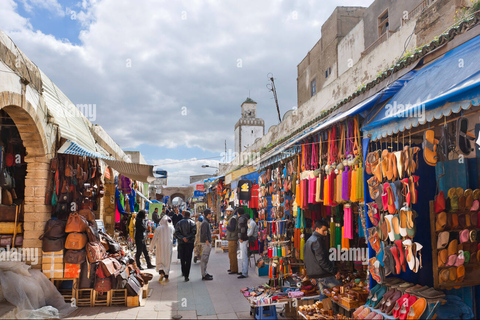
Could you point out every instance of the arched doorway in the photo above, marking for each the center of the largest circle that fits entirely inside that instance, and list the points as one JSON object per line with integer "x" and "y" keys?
{"x": 31, "y": 177}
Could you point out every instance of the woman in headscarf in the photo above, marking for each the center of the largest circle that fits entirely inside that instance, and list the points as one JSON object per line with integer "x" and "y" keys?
{"x": 163, "y": 242}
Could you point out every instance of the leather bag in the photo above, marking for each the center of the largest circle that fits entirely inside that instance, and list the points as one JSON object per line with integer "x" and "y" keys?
{"x": 92, "y": 234}
{"x": 133, "y": 286}
{"x": 76, "y": 241}
{"x": 110, "y": 266}
{"x": 87, "y": 275}
{"x": 95, "y": 252}
{"x": 88, "y": 215}
{"x": 120, "y": 281}
{"x": 6, "y": 240}
{"x": 75, "y": 256}
{"x": 113, "y": 246}
{"x": 53, "y": 245}
{"x": 10, "y": 228}
{"x": 76, "y": 223}
{"x": 103, "y": 284}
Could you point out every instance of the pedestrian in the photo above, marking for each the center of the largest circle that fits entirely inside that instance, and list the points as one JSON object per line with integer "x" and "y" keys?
{"x": 197, "y": 251}
{"x": 206, "y": 241}
{"x": 320, "y": 269}
{"x": 252, "y": 234}
{"x": 163, "y": 242}
{"x": 232, "y": 238}
{"x": 156, "y": 217}
{"x": 177, "y": 216}
{"x": 243, "y": 238}
{"x": 185, "y": 231}
{"x": 140, "y": 235}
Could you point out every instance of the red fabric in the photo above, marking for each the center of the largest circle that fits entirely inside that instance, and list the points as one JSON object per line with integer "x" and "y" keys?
{"x": 305, "y": 193}
{"x": 253, "y": 204}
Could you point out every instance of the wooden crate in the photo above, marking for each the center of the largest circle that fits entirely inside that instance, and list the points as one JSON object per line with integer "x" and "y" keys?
{"x": 102, "y": 299}
{"x": 68, "y": 294}
{"x": 135, "y": 301}
{"x": 145, "y": 291}
{"x": 119, "y": 297}
{"x": 84, "y": 297}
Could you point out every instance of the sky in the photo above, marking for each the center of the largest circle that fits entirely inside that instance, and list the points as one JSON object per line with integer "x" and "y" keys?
{"x": 167, "y": 78}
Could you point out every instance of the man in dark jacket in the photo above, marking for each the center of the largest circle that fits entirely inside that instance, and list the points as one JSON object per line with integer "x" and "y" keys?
{"x": 316, "y": 257}
{"x": 176, "y": 217}
{"x": 232, "y": 238}
{"x": 140, "y": 234}
{"x": 243, "y": 238}
{"x": 156, "y": 217}
{"x": 185, "y": 231}
{"x": 206, "y": 241}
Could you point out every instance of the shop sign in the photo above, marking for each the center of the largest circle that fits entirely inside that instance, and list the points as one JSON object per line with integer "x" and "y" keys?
{"x": 200, "y": 187}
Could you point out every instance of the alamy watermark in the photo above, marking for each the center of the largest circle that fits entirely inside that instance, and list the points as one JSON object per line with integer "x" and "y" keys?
{"x": 352, "y": 254}
{"x": 19, "y": 254}
{"x": 88, "y": 110}
{"x": 241, "y": 158}
{"x": 398, "y": 110}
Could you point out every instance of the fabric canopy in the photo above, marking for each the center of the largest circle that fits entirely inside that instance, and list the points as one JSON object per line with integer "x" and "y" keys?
{"x": 143, "y": 196}
{"x": 134, "y": 171}
{"x": 446, "y": 86}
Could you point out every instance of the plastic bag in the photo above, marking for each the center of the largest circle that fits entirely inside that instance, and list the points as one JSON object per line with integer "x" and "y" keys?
{"x": 31, "y": 294}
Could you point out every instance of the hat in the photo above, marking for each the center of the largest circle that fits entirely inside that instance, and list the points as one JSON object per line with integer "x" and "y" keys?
{"x": 229, "y": 208}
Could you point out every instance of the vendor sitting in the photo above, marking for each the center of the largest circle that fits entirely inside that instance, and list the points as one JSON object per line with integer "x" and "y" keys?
{"x": 320, "y": 269}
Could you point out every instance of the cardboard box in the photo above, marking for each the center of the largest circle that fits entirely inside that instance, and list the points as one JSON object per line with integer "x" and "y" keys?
{"x": 72, "y": 270}
{"x": 53, "y": 270}
{"x": 52, "y": 257}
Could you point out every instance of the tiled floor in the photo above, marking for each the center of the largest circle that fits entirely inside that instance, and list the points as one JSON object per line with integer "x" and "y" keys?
{"x": 196, "y": 299}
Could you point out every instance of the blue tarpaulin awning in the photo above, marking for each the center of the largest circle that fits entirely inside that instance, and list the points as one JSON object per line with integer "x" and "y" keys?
{"x": 446, "y": 86}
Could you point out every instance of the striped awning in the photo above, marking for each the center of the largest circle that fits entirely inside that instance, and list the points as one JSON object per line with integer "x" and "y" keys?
{"x": 134, "y": 171}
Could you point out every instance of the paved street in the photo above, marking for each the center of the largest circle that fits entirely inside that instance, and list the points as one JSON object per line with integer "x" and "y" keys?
{"x": 196, "y": 299}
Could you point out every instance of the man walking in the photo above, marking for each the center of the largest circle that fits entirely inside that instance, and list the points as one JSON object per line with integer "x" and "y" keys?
{"x": 185, "y": 231}
{"x": 140, "y": 230}
{"x": 197, "y": 251}
{"x": 243, "y": 238}
{"x": 232, "y": 238}
{"x": 175, "y": 219}
{"x": 206, "y": 241}
{"x": 320, "y": 269}
{"x": 163, "y": 242}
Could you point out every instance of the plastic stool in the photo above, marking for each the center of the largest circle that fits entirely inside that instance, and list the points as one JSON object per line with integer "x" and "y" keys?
{"x": 264, "y": 313}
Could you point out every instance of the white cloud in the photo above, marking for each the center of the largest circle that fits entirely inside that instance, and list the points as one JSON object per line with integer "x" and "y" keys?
{"x": 50, "y": 5}
{"x": 182, "y": 54}
{"x": 179, "y": 171}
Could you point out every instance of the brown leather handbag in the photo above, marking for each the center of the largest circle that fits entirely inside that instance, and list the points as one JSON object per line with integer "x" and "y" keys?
{"x": 110, "y": 266}
{"x": 133, "y": 286}
{"x": 53, "y": 245}
{"x": 54, "y": 228}
{"x": 95, "y": 252}
{"x": 103, "y": 284}
{"x": 88, "y": 215}
{"x": 76, "y": 241}
{"x": 75, "y": 256}
{"x": 76, "y": 223}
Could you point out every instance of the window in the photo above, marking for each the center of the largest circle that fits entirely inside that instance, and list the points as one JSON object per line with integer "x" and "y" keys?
{"x": 383, "y": 23}
{"x": 313, "y": 87}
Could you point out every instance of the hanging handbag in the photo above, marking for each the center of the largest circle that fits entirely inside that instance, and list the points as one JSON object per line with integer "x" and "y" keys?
{"x": 76, "y": 241}
{"x": 6, "y": 180}
{"x": 54, "y": 228}
{"x": 113, "y": 246}
{"x": 52, "y": 245}
{"x": 76, "y": 223}
{"x": 92, "y": 233}
{"x": 75, "y": 256}
{"x": 103, "y": 284}
{"x": 88, "y": 215}
{"x": 133, "y": 286}
{"x": 7, "y": 213}
{"x": 95, "y": 252}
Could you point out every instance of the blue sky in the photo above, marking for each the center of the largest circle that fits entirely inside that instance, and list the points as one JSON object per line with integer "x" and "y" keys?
{"x": 140, "y": 62}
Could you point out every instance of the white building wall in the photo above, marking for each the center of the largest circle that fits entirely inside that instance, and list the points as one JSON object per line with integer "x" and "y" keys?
{"x": 237, "y": 140}
{"x": 350, "y": 48}
{"x": 249, "y": 135}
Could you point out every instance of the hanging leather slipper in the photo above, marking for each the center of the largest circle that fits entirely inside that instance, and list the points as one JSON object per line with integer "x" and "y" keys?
{"x": 398, "y": 265}
{"x": 464, "y": 138}
{"x": 377, "y": 171}
{"x": 444, "y": 276}
{"x": 373, "y": 213}
{"x": 403, "y": 222}
{"x": 391, "y": 198}
{"x": 417, "y": 251}
{"x": 430, "y": 148}
{"x": 476, "y": 194}
{"x": 383, "y": 228}
{"x": 411, "y": 226}
{"x": 372, "y": 160}
{"x": 389, "y": 221}
{"x": 390, "y": 304}
{"x": 452, "y": 247}
{"x": 397, "y": 189}
{"x": 452, "y": 274}
{"x": 414, "y": 158}
{"x": 401, "y": 253}
{"x": 440, "y": 202}
{"x": 406, "y": 160}
{"x": 386, "y": 296}
{"x": 384, "y": 162}
{"x": 410, "y": 258}
{"x": 413, "y": 190}
{"x": 398, "y": 305}
{"x": 396, "y": 227}
{"x": 464, "y": 236}
{"x": 388, "y": 261}
{"x": 393, "y": 166}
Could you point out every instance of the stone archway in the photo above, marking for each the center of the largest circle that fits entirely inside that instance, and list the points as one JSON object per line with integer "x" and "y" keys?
{"x": 175, "y": 195}
{"x": 31, "y": 129}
